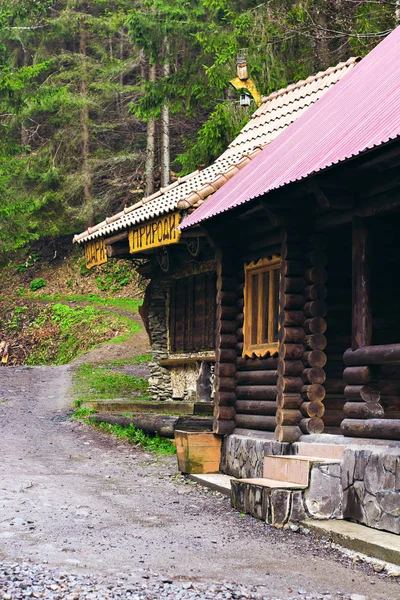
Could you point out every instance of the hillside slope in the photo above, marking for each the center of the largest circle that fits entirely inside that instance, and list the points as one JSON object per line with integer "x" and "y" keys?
{"x": 52, "y": 308}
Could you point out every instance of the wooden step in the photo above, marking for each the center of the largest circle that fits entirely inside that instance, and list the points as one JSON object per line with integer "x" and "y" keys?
{"x": 274, "y": 502}
{"x": 273, "y": 483}
{"x": 160, "y": 408}
{"x": 291, "y": 469}
{"x": 333, "y": 451}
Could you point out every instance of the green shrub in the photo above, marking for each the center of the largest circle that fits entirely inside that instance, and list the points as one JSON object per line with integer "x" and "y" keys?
{"x": 137, "y": 437}
{"x": 37, "y": 284}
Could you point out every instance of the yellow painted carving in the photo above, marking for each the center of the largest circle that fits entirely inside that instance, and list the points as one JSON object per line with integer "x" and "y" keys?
{"x": 249, "y": 85}
{"x": 155, "y": 233}
{"x": 95, "y": 253}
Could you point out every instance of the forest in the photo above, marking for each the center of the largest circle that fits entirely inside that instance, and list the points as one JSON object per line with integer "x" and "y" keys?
{"x": 103, "y": 102}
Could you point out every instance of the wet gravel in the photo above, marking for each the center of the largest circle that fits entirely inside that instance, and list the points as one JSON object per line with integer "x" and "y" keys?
{"x": 23, "y": 580}
{"x": 85, "y": 516}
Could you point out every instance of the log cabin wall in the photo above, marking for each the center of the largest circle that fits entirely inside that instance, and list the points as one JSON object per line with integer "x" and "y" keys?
{"x": 373, "y": 363}
{"x": 385, "y": 283}
{"x": 385, "y": 294}
{"x": 291, "y": 336}
{"x": 338, "y": 320}
{"x": 181, "y": 324}
{"x": 226, "y": 343}
{"x": 256, "y": 376}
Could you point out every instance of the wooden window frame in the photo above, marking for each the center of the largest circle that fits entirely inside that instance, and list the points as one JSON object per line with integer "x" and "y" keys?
{"x": 186, "y": 343}
{"x": 265, "y": 265}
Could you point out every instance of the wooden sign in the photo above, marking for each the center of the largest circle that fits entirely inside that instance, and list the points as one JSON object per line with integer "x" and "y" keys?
{"x": 95, "y": 253}
{"x": 155, "y": 233}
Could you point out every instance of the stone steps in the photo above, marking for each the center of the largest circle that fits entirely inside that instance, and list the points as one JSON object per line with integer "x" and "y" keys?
{"x": 293, "y": 488}
{"x": 292, "y": 469}
{"x": 333, "y": 451}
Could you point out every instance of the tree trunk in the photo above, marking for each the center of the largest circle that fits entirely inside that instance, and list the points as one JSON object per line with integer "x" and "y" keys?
{"x": 165, "y": 141}
{"x": 322, "y": 41}
{"x": 121, "y": 76}
{"x": 86, "y": 173}
{"x": 151, "y": 143}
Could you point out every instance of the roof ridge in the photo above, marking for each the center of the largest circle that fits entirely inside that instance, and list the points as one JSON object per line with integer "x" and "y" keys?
{"x": 196, "y": 197}
{"x": 199, "y": 184}
{"x": 310, "y": 79}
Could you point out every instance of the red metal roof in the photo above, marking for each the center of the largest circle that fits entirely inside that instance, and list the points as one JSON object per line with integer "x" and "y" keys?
{"x": 360, "y": 112}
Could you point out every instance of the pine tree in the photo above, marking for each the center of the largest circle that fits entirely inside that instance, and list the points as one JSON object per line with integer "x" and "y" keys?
{"x": 96, "y": 97}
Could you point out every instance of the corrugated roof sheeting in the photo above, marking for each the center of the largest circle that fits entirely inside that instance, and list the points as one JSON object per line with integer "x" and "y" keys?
{"x": 277, "y": 112}
{"x": 361, "y": 112}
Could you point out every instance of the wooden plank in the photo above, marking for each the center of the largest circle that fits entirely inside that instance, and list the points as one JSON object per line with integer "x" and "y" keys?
{"x": 386, "y": 429}
{"x": 256, "y": 392}
{"x": 256, "y": 364}
{"x": 257, "y": 377}
{"x": 255, "y": 407}
{"x": 362, "y": 319}
{"x": 388, "y": 354}
{"x": 255, "y": 422}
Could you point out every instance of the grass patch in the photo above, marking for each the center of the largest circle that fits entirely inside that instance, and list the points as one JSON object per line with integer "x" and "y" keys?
{"x": 97, "y": 382}
{"x": 68, "y": 332}
{"x": 142, "y": 358}
{"x": 136, "y": 360}
{"x": 128, "y": 304}
{"x": 82, "y": 413}
{"x": 136, "y": 437}
{"x": 58, "y": 333}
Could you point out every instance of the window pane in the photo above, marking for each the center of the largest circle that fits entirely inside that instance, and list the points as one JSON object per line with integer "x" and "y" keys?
{"x": 265, "y": 277}
{"x": 276, "y": 303}
{"x": 254, "y": 309}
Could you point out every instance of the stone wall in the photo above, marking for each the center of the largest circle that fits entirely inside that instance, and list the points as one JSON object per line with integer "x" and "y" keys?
{"x": 242, "y": 456}
{"x": 371, "y": 487}
{"x": 363, "y": 487}
{"x": 160, "y": 386}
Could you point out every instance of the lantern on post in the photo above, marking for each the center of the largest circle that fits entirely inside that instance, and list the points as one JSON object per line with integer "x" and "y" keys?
{"x": 245, "y": 99}
{"x": 243, "y": 82}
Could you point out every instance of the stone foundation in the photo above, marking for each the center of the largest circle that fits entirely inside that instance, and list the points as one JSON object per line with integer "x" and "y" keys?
{"x": 323, "y": 499}
{"x": 160, "y": 386}
{"x": 364, "y": 487}
{"x": 242, "y": 456}
{"x": 371, "y": 487}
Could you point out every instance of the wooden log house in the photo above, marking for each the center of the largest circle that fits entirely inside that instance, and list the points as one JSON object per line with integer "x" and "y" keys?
{"x": 187, "y": 298}
{"x": 308, "y": 236}
{"x": 315, "y": 262}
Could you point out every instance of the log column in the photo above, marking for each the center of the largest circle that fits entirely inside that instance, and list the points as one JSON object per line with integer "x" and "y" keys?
{"x": 226, "y": 342}
{"x": 256, "y": 379}
{"x": 291, "y": 339}
{"x": 362, "y": 390}
{"x": 314, "y": 359}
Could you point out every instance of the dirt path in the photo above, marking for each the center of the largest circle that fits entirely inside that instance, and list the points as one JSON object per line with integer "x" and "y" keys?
{"x": 79, "y": 500}
{"x": 135, "y": 345}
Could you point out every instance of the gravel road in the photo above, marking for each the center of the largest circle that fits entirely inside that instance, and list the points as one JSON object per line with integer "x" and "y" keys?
{"x": 84, "y": 516}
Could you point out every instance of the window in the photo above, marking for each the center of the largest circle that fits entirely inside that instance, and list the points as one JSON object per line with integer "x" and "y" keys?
{"x": 192, "y": 314}
{"x": 261, "y": 307}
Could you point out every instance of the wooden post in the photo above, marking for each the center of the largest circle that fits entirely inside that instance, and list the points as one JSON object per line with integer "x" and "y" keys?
{"x": 225, "y": 369}
{"x": 361, "y": 392}
{"x": 314, "y": 359}
{"x": 362, "y": 321}
{"x": 291, "y": 339}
